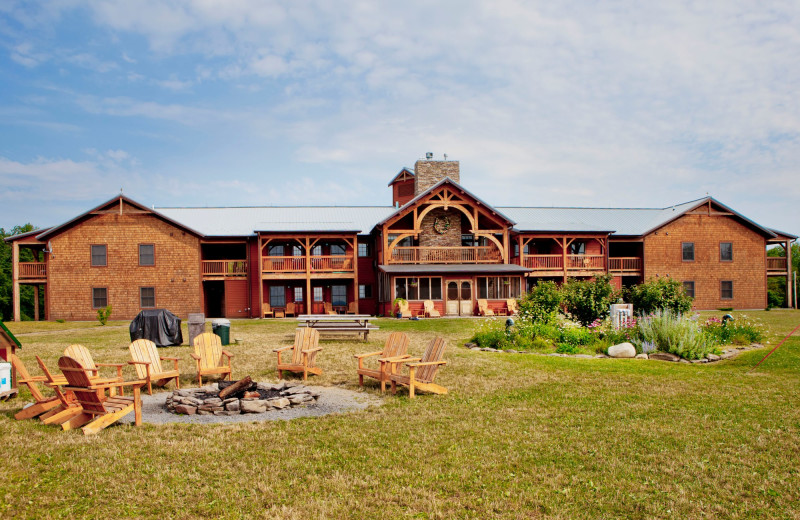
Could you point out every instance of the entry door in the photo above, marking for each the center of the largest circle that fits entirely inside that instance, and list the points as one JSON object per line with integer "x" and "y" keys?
{"x": 459, "y": 298}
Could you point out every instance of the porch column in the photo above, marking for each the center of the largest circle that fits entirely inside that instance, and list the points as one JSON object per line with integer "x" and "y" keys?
{"x": 260, "y": 279}
{"x": 15, "y": 280}
{"x": 309, "y": 296}
{"x": 355, "y": 270}
{"x": 36, "y": 302}
{"x": 789, "y": 287}
{"x": 564, "y": 257}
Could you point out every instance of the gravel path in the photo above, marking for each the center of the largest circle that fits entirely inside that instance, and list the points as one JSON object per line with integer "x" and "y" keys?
{"x": 331, "y": 400}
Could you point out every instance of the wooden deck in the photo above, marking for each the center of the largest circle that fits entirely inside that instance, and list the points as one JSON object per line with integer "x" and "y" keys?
{"x": 446, "y": 255}
{"x": 222, "y": 269}
{"x": 776, "y": 265}
{"x": 297, "y": 264}
{"x": 32, "y": 271}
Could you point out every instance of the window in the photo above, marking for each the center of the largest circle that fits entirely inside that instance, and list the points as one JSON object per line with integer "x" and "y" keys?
{"x": 99, "y": 257}
{"x": 726, "y": 251}
{"x": 316, "y": 251}
{"x": 468, "y": 241}
{"x": 275, "y": 250}
{"x": 317, "y": 294}
{"x": 418, "y": 288}
{"x": 726, "y": 290}
{"x": 498, "y": 287}
{"x": 688, "y": 251}
{"x": 688, "y": 288}
{"x": 339, "y": 295}
{"x": 516, "y": 249}
{"x": 364, "y": 291}
{"x": 147, "y": 254}
{"x": 298, "y": 294}
{"x": 297, "y": 251}
{"x": 337, "y": 250}
{"x": 99, "y": 297}
{"x": 363, "y": 249}
{"x": 147, "y": 297}
{"x": 277, "y": 296}
{"x": 577, "y": 248}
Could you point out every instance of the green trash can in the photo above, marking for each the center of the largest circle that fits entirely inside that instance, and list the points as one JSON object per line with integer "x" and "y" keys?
{"x": 222, "y": 328}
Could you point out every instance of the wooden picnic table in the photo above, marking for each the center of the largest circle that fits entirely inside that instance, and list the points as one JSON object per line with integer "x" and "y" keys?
{"x": 339, "y": 323}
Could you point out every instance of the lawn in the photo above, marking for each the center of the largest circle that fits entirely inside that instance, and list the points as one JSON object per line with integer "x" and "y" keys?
{"x": 518, "y": 436}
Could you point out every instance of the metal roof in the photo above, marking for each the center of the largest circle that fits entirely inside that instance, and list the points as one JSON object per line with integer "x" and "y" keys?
{"x": 455, "y": 268}
{"x": 245, "y": 221}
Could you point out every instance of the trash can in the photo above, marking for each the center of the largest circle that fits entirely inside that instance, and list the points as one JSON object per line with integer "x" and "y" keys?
{"x": 197, "y": 325}
{"x": 222, "y": 328}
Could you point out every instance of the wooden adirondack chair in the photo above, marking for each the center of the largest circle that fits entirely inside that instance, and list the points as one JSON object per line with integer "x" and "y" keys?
{"x": 328, "y": 308}
{"x": 402, "y": 306}
{"x": 68, "y": 407}
{"x": 268, "y": 310}
{"x": 148, "y": 365}
{"x": 290, "y": 309}
{"x": 351, "y": 308}
{"x": 395, "y": 348}
{"x": 430, "y": 309}
{"x": 208, "y": 354}
{"x": 483, "y": 308}
{"x": 421, "y": 371}
{"x": 304, "y": 353}
{"x": 82, "y": 355}
{"x": 43, "y": 404}
{"x": 511, "y": 303}
{"x": 97, "y": 409}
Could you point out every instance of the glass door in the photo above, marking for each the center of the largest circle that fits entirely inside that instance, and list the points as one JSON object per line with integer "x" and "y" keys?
{"x": 459, "y": 298}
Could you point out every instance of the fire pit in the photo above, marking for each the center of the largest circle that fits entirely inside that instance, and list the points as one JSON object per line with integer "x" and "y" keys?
{"x": 238, "y": 397}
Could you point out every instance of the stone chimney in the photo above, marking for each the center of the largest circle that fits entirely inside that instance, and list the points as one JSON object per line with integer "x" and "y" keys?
{"x": 428, "y": 172}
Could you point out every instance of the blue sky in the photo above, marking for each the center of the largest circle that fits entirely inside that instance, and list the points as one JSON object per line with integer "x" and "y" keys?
{"x": 621, "y": 104}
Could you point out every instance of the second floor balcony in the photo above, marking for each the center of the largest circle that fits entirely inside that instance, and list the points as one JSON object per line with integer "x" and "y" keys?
{"x": 776, "y": 264}
{"x": 445, "y": 255}
{"x": 297, "y": 264}
{"x": 32, "y": 271}
{"x": 556, "y": 262}
{"x": 222, "y": 269}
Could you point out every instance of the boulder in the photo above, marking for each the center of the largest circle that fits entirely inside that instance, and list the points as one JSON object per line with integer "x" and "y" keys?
{"x": 623, "y": 350}
{"x": 185, "y": 409}
{"x": 642, "y": 356}
{"x": 712, "y": 357}
{"x": 665, "y": 356}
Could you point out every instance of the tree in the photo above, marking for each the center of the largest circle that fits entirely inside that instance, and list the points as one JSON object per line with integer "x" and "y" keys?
{"x": 659, "y": 294}
{"x": 542, "y": 303}
{"x": 6, "y": 280}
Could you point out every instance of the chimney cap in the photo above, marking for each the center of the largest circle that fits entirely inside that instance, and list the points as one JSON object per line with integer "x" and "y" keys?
{"x": 429, "y": 155}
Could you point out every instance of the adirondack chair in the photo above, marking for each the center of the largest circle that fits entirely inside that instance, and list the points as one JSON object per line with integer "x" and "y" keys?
{"x": 402, "y": 306}
{"x": 290, "y": 309}
{"x": 148, "y": 365}
{"x": 351, "y": 308}
{"x": 268, "y": 310}
{"x": 430, "y": 310}
{"x": 67, "y": 408}
{"x": 97, "y": 409}
{"x": 483, "y": 308}
{"x": 43, "y": 404}
{"x": 82, "y": 355}
{"x": 511, "y": 303}
{"x": 328, "y": 308}
{"x": 421, "y": 371}
{"x": 209, "y": 356}
{"x": 395, "y": 348}
{"x": 304, "y": 353}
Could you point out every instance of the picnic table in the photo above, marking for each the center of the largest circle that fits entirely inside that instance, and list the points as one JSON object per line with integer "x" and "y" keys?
{"x": 339, "y": 323}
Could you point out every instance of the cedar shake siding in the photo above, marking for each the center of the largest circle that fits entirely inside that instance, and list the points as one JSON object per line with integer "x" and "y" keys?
{"x": 175, "y": 275}
{"x": 663, "y": 257}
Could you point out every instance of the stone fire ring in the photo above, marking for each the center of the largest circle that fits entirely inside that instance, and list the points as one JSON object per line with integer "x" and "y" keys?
{"x": 328, "y": 400}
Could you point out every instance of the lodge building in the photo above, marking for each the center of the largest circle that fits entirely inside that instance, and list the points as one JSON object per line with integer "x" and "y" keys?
{"x": 437, "y": 241}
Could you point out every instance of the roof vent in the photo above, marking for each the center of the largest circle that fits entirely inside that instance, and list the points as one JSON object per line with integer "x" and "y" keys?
{"x": 429, "y": 155}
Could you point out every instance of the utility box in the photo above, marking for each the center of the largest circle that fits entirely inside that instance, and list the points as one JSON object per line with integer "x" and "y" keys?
{"x": 197, "y": 325}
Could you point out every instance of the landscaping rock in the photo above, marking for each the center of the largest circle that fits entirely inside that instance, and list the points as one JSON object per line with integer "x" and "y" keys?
{"x": 623, "y": 350}
{"x": 298, "y": 399}
{"x": 600, "y": 356}
{"x": 756, "y": 345}
{"x": 185, "y": 409}
{"x": 470, "y": 345}
{"x": 475, "y": 348}
{"x": 713, "y": 357}
{"x": 665, "y": 356}
{"x": 729, "y": 354}
{"x": 296, "y": 390}
{"x": 224, "y": 412}
{"x": 696, "y": 361}
{"x": 257, "y": 406}
{"x": 583, "y": 356}
{"x": 279, "y": 403}
{"x": 642, "y": 356}
{"x": 233, "y": 406}
{"x": 684, "y": 361}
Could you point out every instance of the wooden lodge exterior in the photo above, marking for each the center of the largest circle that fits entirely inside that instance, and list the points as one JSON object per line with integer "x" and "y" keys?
{"x": 437, "y": 241}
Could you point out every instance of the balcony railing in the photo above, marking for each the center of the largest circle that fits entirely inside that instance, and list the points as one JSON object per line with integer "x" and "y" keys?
{"x": 297, "y": 264}
{"x": 224, "y": 268}
{"x": 445, "y": 255}
{"x": 556, "y": 262}
{"x": 625, "y": 264}
{"x": 32, "y": 270}
{"x": 776, "y": 263}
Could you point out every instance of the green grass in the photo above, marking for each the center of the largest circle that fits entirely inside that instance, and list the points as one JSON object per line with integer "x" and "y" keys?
{"x": 519, "y": 436}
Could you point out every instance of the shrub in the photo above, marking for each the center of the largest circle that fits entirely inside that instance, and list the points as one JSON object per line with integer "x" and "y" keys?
{"x": 659, "y": 294}
{"x": 488, "y": 338}
{"x": 576, "y": 336}
{"x": 740, "y": 331}
{"x": 541, "y": 303}
{"x": 566, "y": 348}
{"x": 671, "y": 332}
{"x": 588, "y": 300}
{"x": 103, "y": 314}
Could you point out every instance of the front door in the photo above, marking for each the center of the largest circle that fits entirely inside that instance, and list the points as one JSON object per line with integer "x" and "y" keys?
{"x": 459, "y": 298}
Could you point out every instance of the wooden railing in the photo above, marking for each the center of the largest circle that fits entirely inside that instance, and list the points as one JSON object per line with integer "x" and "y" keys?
{"x": 625, "y": 264}
{"x": 585, "y": 262}
{"x": 543, "y": 262}
{"x": 297, "y": 264}
{"x": 776, "y": 263}
{"x": 224, "y": 268}
{"x": 445, "y": 255}
{"x": 29, "y": 270}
